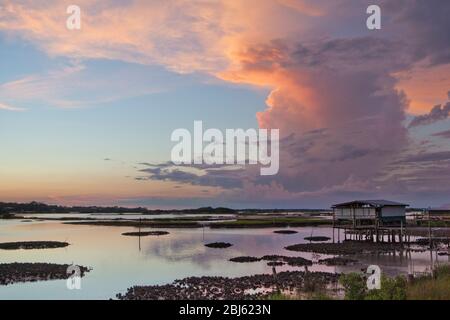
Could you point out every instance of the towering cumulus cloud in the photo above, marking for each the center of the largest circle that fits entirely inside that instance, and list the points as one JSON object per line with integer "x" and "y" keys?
{"x": 335, "y": 102}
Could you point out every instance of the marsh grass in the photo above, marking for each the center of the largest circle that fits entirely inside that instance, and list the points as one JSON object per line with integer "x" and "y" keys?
{"x": 431, "y": 288}
{"x": 271, "y": 222}
{"x": 305, "y": 296}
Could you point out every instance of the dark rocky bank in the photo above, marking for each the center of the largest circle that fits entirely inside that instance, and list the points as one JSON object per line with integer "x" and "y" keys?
{"x": 31, "y": 272}
{"x": 224, "y": 288}
{"x": 28, "y": 245}
{"x": 218, "y": 245}
{"x": 145, "y": 233}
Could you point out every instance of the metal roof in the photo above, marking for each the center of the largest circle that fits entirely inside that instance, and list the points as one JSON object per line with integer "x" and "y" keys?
{"x": 373, "y": 203}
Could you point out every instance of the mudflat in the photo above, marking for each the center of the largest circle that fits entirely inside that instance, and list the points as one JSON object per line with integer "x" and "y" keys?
{"x": 28, "y": 245}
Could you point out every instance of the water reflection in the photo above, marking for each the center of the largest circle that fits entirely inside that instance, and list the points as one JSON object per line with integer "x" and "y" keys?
{"x": 124, "y": 216}
{"x": 119, "y": 262}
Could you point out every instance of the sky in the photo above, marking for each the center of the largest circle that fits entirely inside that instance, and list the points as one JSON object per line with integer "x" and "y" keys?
{"x": 86, "y": 115}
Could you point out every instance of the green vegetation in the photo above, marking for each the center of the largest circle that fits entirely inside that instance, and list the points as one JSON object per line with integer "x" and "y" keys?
{"x": 354, "y": 285}
{"x": 271, "y": 222}
{"x": 318, "y": 296}
{"x": 431, "y": 288}
{"x": 306, "y": 296}
{"x": 193, "y": 222}
{"x": 432, "y": 223}
{"x": 157, "y": 223}
{"x": 397, "y": 288}
{"x": 356, "y": 289}
{"x": 391, "y": 289}
{"x": 281, "y": 296}
{"x": 7, "y": 216}
{"x": 311, "y": 289}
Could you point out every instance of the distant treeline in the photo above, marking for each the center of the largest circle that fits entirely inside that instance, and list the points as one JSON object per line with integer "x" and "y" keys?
{"x": 254, "y": 211}
{"x": 38, "y": 207}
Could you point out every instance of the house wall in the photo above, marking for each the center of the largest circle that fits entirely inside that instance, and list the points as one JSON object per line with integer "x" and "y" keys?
{"x": 360, "y": 213}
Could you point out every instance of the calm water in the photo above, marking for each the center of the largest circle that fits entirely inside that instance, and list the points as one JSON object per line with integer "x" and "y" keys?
{"x": 119, "y": 262}
{"x": 120, "y": 216}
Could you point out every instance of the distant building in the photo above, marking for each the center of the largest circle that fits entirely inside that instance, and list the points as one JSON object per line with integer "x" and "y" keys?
{"x": 370, "y": 212}
{"x": 438, "y": 214}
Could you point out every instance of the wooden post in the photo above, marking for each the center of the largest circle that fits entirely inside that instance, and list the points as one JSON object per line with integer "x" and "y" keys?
{"x": 354, "y": 217}
{"x": 401, "y": 231}
{"x": 448, "y": 240}
{"x": 339, "y": 235}
{"x": 334, "y": 214}
{"x": 140, "y": 234}
{"x": 376, "y": 227}
{"x": 431, "y": 243}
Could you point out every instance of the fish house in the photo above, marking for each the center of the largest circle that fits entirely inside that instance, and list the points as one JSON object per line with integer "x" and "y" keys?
{"x": 376, "y": 212}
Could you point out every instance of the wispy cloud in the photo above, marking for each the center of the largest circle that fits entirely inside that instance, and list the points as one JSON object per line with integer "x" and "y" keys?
{"x": 442, "y": 134}
{"x": 41, "y": 87}
{"x": 8, "y": 107}
{"x": 73, "y": 85}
